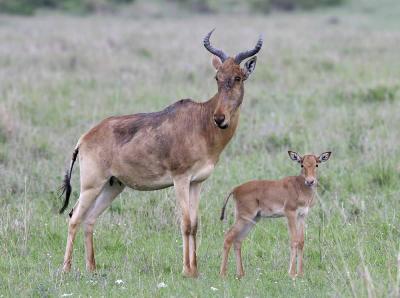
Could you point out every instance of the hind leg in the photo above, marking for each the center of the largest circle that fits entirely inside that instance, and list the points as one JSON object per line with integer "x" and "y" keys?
{"x": 93, "y": 179}
{"x": 109, "y": 192}
{"x": 86, "y": 198}
{"x": 238, "y": 246}
{"x": 235, "y": 235}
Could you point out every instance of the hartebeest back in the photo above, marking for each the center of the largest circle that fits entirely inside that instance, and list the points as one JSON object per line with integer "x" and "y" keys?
{"x": 178, "y": 147}
{"x": 290, "y": 197}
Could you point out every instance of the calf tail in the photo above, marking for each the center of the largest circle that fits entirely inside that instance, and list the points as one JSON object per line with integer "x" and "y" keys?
{"x": 224, "y": 206}
{"x": 66, "y": 186}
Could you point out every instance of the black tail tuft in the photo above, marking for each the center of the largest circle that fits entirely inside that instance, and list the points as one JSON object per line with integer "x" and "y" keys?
{"x": 224, "y": 206}
{"x": 222, "y": 213}
{"x": 66, "y": 186}
{"x": 65, "y": 189}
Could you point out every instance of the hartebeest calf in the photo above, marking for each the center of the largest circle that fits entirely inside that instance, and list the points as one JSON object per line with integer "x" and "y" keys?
{"x": 290, "y": 197}
{"x": 178, "y": 146}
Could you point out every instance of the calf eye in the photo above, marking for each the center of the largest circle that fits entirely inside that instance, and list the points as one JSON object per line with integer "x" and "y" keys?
{"x": 216, "y": 78}
{"x": 237, "y": 79}
{"x": 302, "y": 166}
{"x": 316, "y": 166}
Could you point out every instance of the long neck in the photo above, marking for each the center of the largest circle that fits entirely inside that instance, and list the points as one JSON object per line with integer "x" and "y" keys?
{"x": 216, "y": 137}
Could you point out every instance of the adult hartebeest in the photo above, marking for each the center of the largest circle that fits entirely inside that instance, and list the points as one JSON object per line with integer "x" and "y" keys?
{"x": 178, "y": 146}
{"x": 290, "y": 197}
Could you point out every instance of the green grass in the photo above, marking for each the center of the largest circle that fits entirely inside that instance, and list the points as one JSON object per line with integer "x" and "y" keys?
{"x": 317, "y": 86}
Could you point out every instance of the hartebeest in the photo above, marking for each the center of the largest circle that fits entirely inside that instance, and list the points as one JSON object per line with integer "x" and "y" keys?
{"x": 290, "y": 197}
{"x": 178, "y": 146}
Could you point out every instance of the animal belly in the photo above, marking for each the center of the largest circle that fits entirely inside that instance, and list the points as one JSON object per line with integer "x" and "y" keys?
{"x": 273, "y": 212}
{"x": 151, "y": 174}
{"x": 147, "y": 183}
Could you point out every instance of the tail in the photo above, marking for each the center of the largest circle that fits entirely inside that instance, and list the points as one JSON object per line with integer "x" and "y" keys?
{"x": 66, "y": 186}
{"x": 223, "y": 207}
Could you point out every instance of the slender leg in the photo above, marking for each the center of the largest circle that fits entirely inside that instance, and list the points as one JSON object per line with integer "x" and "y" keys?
{"x": 105, "y": 198}
{"x": 235, "y": 235}
{"x": 86, "y": 199}
{"x": 181, "y": 185}
{"x": 238, "y": 254}
{"x": 225, "y": 254}
{"x": 300, "y": 232}
{"x": 194, "y": 199}
{"x": 291, "y": 216}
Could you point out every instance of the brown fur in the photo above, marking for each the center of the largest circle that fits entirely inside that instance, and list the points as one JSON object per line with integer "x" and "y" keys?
{"x": 290, "y": 197}
{"x": 177, "y": 146}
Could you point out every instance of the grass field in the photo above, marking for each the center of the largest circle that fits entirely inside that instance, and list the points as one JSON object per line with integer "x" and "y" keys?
{"x": 325, "y": 80}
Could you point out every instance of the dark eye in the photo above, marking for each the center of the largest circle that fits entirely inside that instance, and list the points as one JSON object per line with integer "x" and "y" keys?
{"x": 216, "y": 78}
{"x": 302, "y": 166}
{"x": 316, "y": 166}
{"x": 237, "y": 79}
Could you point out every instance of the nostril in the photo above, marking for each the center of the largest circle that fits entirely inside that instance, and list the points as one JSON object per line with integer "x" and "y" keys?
{"x": 310, "y": 182}
{"x": 219, "y": 119}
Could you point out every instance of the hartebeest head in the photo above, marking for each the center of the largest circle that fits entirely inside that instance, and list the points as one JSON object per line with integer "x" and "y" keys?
{"x": 230, "y": 77}
{"x": 309, "y": 165}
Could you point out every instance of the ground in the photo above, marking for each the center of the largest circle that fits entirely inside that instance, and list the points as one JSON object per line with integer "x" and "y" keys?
{"x": 324, "y": 80}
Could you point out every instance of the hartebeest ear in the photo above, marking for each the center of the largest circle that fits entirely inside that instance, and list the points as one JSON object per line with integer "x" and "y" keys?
{"x": 216, "y": 62}
{"x": 294, "y": 156}
{"x": 249, "y": 67}
{"x": 324, "y": 156}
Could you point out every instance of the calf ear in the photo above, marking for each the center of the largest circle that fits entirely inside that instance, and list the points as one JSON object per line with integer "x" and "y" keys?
{"x": 249, "y": 67}
{"x": 216, "y": 62}
{"x": 324, "y": 156}
{"x": 294, "y": 156}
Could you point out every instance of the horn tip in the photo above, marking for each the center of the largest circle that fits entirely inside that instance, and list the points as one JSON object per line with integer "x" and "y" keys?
{"x": 207, "y": 37}
{"x": 211, "y": 32}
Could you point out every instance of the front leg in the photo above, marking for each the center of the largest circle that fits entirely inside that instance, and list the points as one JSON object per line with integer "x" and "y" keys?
{"x": 300, "y": 234}
{"x": 292, "y": 226}
{"x": 194, "y": 199}
{"x": 182, "y": 186}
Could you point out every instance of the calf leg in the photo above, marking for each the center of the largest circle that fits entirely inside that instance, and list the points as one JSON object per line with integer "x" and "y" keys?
{"x": 238, "y": 254}
{"x": 235, "y": 235}
{"x": 110, "y": 191}
{"x": 291, "y": 217}
{"x": 300, "y": 233}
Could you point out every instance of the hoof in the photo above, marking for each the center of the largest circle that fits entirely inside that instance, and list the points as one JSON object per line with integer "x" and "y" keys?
{"x": 186, "y": 272}
{"x": 239, "y": 276}
{"x": 91, "y": 268}
{"x": 194, "y": 273}
{"x": 292, "y": 275}
{"x": 66, "y": 268}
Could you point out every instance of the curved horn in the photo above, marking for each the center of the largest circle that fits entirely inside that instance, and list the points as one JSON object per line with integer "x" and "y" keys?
{"x": 213, "y": 50}
{"x": 243, "y": 55}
